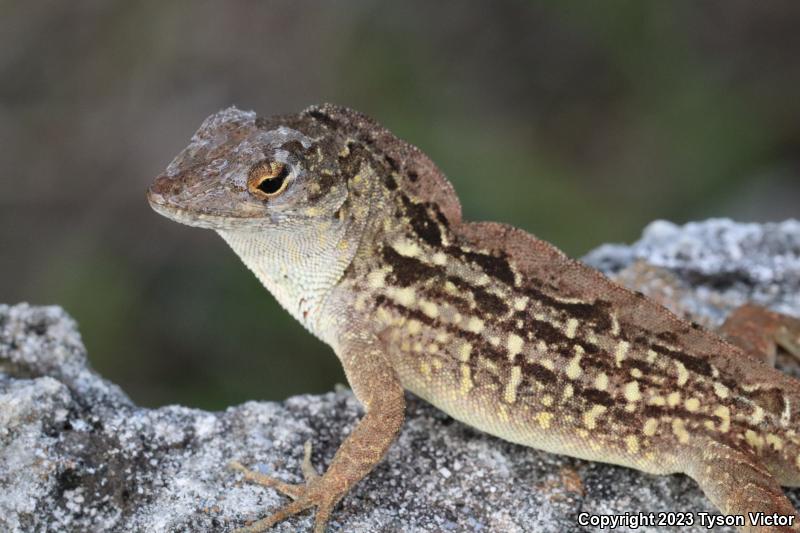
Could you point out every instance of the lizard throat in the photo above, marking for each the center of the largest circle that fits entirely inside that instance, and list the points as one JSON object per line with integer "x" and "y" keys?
{"x": 299, "y": 266}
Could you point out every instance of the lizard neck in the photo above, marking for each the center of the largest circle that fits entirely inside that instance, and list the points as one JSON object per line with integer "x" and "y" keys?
{"x": 299, "y": 266}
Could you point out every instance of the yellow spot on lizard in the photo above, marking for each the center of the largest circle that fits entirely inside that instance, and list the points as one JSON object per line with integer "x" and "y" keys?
{"x": 721, "y": 390}
{"x": 679, "y": 429}
{"x": 571, "y": 328}
{"x": 464, "y": 352}
{"x": 724, "y": 414}
{"x": 568, "y": 391}
{"x": 601, "y": 381}
{"x": 657, "y": 400}
{"x": 514, "y": 344}
{"x": 384, "y": 316}
{"x": 673, "y": 398}
{"x": 574, "y": 369}
{"x": 754, "y": 439}
{"x": 404, "y": 296}
{"x": 632, "y": 443}
{"x": 683, "y": 374}
{"x": 425, "y": 368}
{"x": 466, "y": 380}
{"x": 590, "y": 416}
{"x": 775, "y": 441}
{"x": 692, "y": 404}
{"x": 621, "y": 352}
{"x": 631, "y": 391}
{"x": 429, "y": 308}
{"x": 502, "y": 413}
{"x": 544, "y": 419}
{"x": 406, "y": 248}
{"x": 475, "y": 325}
{"x": 510, "y": 394}
{"x": 377, "y": 278}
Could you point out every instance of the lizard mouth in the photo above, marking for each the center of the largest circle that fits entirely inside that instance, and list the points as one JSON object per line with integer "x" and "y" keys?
{"x": 196, "y": 216}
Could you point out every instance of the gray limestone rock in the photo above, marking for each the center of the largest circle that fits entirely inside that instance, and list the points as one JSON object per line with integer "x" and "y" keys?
{"x": 77, "y": 455}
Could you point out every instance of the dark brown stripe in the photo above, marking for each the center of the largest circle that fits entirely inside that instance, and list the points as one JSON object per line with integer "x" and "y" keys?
{"x": 542, "y": 330}
{"x": 393, "y": 164}
{"x": 407, "y": 270}
{"x": 539, "y": 373}
{"x": 692, "y": 363}
{"x": 771, "y": 400}
{"x": 489, "y": 303}
{"x": 596, "y": 313}
{"x": 390, "y": 182}
{"x": 496, "y": 267}
{"x": 643, "y": 366}
{"x": 423, "y": 225}
{"x": 603, "y": 362}
{"x": 436, "y": 211}
{"x": 588, "y": 347}
{"x": 667, "y": 336}
{"x": 657, "y": 411}
{"x": 485, "y": 301}
{"x": 597, "y": 396}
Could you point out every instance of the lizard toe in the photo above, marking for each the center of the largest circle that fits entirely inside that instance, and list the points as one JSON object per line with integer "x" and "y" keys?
{"x": 322, "y": 492}
{"x": 293, "y": 490}
{"x": 309, "y": 472}
{"x": 290, "y": 509}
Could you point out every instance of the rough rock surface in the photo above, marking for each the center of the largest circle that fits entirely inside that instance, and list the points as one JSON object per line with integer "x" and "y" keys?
{"x": 77, "y": 455}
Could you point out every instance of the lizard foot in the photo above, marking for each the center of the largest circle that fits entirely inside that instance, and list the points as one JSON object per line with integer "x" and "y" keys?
{"x": 318, "y": 491}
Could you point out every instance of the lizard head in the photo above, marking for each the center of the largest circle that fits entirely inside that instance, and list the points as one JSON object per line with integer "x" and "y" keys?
{"x": 294, "y": 195}
{"x": 242, "y": 172}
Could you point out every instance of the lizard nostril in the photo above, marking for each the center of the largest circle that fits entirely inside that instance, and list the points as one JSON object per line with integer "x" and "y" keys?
{"x": 162, "y": 187}
{"x": 165, "y": 185}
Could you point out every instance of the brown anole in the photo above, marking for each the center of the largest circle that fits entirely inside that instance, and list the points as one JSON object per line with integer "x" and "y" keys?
{"x": 360, "y": 237}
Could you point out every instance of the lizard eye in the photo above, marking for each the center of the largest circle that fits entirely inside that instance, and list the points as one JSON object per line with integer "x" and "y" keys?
{"x": 267, "y": 179}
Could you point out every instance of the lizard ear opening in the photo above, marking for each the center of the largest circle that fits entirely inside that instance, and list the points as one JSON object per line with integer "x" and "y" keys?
{"x": 267, "y": 179}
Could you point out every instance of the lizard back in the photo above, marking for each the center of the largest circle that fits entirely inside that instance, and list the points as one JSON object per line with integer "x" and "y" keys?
{"x": 505, "y": 332}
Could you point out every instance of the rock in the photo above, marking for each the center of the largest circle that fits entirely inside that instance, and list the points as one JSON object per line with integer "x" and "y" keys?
{"x": 77, "y": 455}
{"x": 721, "y": 263}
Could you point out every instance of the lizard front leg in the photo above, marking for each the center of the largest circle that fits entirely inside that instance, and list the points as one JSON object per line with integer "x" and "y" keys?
{"x": 377, "y": 387}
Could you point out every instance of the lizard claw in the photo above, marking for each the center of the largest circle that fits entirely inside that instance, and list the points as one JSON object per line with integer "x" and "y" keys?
{"x": 309, "y": 472}
{"x": 315, "y": 492}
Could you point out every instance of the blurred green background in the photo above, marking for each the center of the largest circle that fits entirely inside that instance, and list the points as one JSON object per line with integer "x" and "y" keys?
{"x": 578, "y": 121}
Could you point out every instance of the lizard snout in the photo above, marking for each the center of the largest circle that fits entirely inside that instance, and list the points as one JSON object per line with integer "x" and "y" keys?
{"x": 161, "y": 186}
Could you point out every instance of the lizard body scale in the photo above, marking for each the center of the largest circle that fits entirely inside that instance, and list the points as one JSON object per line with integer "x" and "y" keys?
{"x": 360, "y": 237}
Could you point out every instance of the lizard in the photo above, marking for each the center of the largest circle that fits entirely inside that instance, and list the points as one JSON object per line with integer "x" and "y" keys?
{"x": 360, "y": 237}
